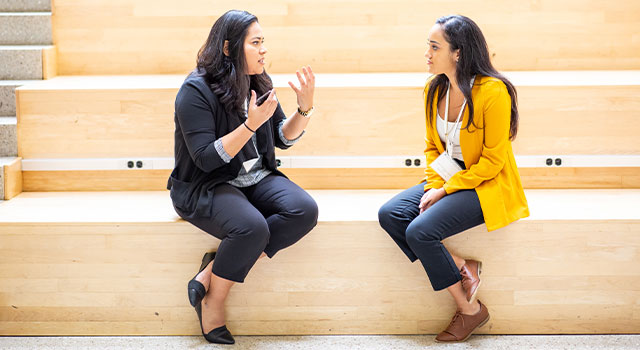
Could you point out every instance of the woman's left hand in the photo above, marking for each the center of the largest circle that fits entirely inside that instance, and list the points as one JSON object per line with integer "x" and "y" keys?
{"x": 430, "y": 198}
{"x": 307, "y": 85}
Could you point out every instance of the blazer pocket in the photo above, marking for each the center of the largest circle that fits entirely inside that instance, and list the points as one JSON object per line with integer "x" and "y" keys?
{"x": 180, "y": 194}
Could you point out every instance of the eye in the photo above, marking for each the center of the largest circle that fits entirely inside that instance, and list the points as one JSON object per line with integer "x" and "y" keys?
{"x": 435, "y": 48}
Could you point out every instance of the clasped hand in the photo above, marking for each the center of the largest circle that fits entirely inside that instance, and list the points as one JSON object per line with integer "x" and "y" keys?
{"x": 430, "y": 198}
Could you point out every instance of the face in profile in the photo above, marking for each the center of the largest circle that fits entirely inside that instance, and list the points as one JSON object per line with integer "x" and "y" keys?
{"x": 439, "y": 57}
{"x": 254, "y": 49}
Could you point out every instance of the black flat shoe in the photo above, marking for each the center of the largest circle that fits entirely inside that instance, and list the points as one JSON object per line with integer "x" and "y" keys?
{"x": 196, "y": 289}
{"x": 220, "y": 335}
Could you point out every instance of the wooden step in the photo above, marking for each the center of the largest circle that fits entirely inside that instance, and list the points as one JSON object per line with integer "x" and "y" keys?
{"x": 362, "y": 114}
{"x": 329, "y": 178}
{"x": 10, "y": 177}
{"x": 131, "y": 116}
{"x": 117, "y": 263}
{"x": 163, "y": 37}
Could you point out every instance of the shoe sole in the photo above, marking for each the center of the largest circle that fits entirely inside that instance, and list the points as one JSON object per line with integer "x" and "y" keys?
{"x": 470, "y": 333}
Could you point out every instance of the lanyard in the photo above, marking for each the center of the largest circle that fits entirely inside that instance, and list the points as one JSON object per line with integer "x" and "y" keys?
{"x": 449, "y": 145}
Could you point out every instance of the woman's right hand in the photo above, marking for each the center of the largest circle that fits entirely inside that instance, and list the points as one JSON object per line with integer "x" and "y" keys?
{"x": 257, "y": 115}
{"x": 430, "y": 198}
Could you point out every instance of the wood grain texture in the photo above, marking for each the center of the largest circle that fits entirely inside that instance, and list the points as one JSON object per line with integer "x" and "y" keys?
{"x": 13, "y": 184}
{"x": 49, "y": 62}
{"x": 63, "y": 119}
{"x": 158, "y": 37}
{"x": 154, "y": 180}
{"x": 112, "y": 270}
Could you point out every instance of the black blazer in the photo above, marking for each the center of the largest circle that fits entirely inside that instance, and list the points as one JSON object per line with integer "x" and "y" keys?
{"x": 201, "y": 119}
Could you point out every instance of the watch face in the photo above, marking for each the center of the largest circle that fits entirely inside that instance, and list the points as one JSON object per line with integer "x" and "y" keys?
{"x": 308, "y": 113}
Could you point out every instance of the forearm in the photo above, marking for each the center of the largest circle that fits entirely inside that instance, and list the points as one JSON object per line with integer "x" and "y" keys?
{"x": 294, "y": 126}
{"x": 235, "y": 140}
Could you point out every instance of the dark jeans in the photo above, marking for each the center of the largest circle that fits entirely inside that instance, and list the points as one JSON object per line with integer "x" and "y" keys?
{"x": 420, "y": 235}
{"x": 266, "y": 217}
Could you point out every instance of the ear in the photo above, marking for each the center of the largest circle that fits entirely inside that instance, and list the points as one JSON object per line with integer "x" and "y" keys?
{"x": 456, "y": 55}
{"x": 225, "y": 48}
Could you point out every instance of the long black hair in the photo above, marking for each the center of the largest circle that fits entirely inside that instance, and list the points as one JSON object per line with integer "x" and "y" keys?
{"x": 227, "y": 74}
{"x": 464, "y": 34}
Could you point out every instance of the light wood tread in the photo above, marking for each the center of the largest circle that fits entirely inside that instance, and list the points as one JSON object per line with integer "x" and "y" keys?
{"x": 334, "y": 206}
{"x": 417, "y": 79}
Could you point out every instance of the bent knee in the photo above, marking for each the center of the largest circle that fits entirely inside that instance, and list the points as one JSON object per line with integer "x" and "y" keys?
{"x": 417, "y": 235}
{"x": 255, "y": 229}
{"x": 309, "y": 212}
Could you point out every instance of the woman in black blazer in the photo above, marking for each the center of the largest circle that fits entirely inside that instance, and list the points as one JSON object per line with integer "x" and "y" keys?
{"x": 225, "y": 179}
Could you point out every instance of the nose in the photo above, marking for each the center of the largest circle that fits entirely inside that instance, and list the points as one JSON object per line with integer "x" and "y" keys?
{"x": 427, "y": 54}
{"x": 263, "y": 50}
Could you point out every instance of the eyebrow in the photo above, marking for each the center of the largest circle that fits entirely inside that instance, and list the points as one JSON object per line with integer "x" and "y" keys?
{"x": 433, "y": 41}
{"x": 257, "y": 37}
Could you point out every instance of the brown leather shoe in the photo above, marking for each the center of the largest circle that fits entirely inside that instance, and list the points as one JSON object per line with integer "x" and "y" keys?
{"x": 470, "y": 272}
{"x": 462, "y": 326}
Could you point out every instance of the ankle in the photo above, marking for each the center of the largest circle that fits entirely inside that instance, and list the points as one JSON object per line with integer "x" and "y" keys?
{"x": 471, "y": 309}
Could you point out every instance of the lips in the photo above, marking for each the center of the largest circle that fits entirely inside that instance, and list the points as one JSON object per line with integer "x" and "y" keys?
{"x": 261, "y": 61}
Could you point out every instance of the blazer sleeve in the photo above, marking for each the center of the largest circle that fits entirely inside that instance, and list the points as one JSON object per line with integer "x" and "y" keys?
{"x": 277, "y": 118}
{"x": 431, "y": 151}
{"x": 497, "y": 118}
{"x": 196, "y": 119}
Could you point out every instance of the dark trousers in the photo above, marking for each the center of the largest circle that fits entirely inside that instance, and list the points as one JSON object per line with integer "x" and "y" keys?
{"x": 420, "y": 235}
{"x": 266, "y": 217}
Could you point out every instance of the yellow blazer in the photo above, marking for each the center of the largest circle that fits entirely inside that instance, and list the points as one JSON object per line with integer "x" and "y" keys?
{"x": 488, "y": 156}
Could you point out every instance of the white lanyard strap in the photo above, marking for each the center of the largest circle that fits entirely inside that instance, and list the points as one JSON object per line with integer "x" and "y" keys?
{"x": 446, "y": 118}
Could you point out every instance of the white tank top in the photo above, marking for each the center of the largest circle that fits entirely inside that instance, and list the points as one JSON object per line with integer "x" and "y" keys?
{"x": 457, "y": 151}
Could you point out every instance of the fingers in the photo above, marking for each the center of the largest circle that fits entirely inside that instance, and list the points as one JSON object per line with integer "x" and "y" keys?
{"x": 295, "y": 89}
{"x": 272, "y": 95}
{"x": 272, "y": 102}
{"x": 308, "y": 80}
{"x": 311, "y": 78}
{"x": 303, "y": 83}
{"x": 252, "y": 100}
{"x": 429, "y": 204}
{"x": 423, "y": 203}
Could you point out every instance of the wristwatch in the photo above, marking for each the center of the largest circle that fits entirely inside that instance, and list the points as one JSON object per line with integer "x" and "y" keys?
{"x": 306, "y": 114}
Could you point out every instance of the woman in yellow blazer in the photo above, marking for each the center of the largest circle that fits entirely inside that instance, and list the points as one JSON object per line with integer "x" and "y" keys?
{"x": 471, "y": 176}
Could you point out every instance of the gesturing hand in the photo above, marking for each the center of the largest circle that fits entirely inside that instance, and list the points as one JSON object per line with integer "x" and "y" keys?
{"x": 257, "y": 115}
{"x": 307, "y": 85}
{"x": 430, "y": 198}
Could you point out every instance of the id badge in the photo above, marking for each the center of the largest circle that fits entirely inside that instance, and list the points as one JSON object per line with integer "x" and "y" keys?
{"x": 445, "y": 166}
{"x": 249, "y": 164}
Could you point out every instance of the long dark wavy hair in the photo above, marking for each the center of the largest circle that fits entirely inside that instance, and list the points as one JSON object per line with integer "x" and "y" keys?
{"x": 227, "y": 74}
{"x": 464, "y": 34}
